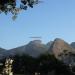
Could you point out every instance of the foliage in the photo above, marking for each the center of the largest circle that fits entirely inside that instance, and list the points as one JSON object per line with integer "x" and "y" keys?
{"x": 43, "y": 64}
{"x": 15, "y": 7}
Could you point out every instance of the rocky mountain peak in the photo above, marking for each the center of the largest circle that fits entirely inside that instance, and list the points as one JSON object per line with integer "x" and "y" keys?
{"x": 59, "y": 46}
{"x": 58, "y": 39}
{"x": 35, "y": 42}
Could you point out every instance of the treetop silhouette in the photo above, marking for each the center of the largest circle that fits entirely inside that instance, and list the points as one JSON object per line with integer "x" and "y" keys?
{"x": 15, "y": 6}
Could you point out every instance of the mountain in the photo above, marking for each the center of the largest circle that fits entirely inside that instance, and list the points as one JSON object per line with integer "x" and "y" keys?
{"x": 62, "y": 51}
{"x": 2, "y": 53}
{"x": 2, "y": 50}
{"x": 73, "y": 44}
{"x": 33, "y": 48}
{"x": 19, "y": 50}
{"x": 59, "y": 48}
{"x": 49, "y": 44}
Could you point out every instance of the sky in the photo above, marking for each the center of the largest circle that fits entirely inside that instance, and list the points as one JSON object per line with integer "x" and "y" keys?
{"x": 48, "y": 20}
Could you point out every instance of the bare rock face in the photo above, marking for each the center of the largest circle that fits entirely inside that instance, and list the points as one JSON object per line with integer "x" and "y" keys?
{"x": 59, "y": 46}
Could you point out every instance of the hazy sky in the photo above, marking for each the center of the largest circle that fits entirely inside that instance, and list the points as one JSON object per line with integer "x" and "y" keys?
{"x": 50, "y": 19}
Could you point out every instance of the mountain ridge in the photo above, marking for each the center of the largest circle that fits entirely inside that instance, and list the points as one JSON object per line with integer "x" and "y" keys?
{"x": 36, "y": 47}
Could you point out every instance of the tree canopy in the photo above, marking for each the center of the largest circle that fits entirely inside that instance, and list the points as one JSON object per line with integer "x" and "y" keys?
{"x": 43, "y": 64}
{"x": 15, "y": 6}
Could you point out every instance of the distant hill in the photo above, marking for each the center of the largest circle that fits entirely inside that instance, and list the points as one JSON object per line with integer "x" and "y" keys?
{"x": 33, "y": 48}
{"x": 59, "y": 48}
{"x": 2, "y": 53}
{"x": 49, "y": 44}
{"x": 73, "y": 44}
